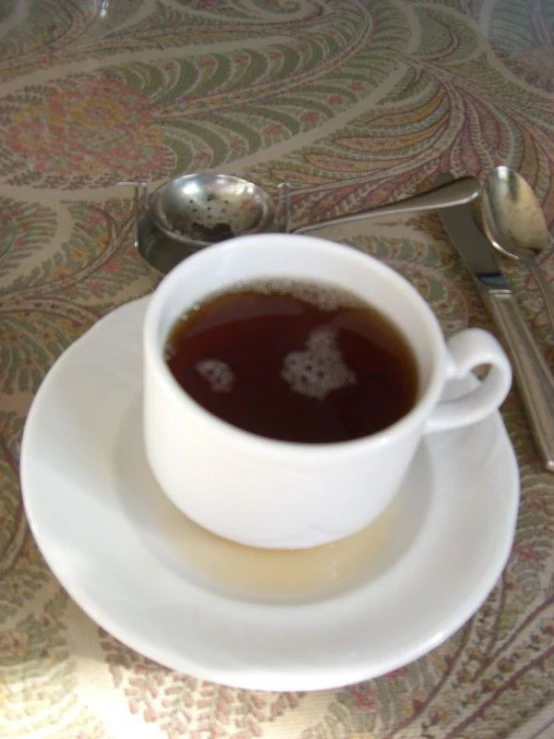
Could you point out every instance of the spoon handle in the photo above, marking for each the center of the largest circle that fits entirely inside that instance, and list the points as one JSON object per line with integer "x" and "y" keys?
{"x": 545, "y": 287}
{"x": 457, "y": 192}
{"x": 533, "y": 377}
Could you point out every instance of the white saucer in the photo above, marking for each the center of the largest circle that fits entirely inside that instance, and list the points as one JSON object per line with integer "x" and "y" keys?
{"x": 196, "y": 603}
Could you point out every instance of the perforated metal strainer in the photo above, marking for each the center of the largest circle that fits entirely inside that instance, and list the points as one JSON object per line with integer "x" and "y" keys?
{"x": 201, "y": 209}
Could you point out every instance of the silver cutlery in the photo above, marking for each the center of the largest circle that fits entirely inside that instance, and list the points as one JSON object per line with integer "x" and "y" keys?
{"x": 533, "y": 377}
{"x": 515, "y": 225}
{"x": 203, "y": 208}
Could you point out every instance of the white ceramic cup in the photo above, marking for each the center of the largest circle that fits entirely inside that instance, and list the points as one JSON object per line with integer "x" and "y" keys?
{"x": 276, "y": 494}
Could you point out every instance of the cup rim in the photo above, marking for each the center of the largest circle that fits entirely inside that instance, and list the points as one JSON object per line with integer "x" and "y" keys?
{"x": 239, "y": 436}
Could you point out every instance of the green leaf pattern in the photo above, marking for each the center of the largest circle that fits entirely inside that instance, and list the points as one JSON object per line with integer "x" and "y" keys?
{"x": 354, "y": 102}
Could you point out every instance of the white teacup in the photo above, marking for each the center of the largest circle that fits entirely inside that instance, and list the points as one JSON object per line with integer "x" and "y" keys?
{"x": 267, "y": 493}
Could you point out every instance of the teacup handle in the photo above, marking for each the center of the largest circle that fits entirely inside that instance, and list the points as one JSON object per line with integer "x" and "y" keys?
{"x": 467, "y": 350}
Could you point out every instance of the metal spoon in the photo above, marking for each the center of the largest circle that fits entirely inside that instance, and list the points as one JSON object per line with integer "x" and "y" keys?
{"x": 516, "y": 226}
{"x": 201, "y": 209}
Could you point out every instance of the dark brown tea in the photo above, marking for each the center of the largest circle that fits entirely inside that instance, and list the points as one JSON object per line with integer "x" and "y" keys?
{"x": 294, "y": 361}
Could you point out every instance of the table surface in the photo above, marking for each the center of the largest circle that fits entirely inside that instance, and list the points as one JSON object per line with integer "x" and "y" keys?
{"x": 357, "y": 102}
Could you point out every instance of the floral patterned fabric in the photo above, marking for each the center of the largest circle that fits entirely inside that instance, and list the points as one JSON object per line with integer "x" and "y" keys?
{"x": 355, "y": 102}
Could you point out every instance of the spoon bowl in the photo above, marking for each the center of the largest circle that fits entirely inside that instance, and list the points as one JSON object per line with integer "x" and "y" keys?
{"x": 512, "y": 215}
{"x": 515, "y": 225}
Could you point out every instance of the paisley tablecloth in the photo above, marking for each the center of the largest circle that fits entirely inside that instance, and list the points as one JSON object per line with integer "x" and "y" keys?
{"x": 356, "y": 102}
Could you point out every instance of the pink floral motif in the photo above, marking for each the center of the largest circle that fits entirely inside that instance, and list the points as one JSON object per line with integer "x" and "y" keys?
{"x": 526, "y": 551}
{"x": 202, "y": 158}
{"x": 15, "y": 644}
{"x": 310, "y": 116}
{"x": 95, "y": 287}
{"x": 88, "y": 130}
{"x": 237, "y": 145}
{"x": 364, "y": 698}
{"x": 536, "y": 502}
{"x": 400, "y": 672}
{"x": 548, "y": 627}
{"x": 208, "y": 62}
{"x": 274, "y": 129}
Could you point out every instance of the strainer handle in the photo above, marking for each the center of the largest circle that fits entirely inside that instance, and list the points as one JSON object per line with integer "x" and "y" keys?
{"x": 457, "y": 192}
{"x": 140, "y": 202}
